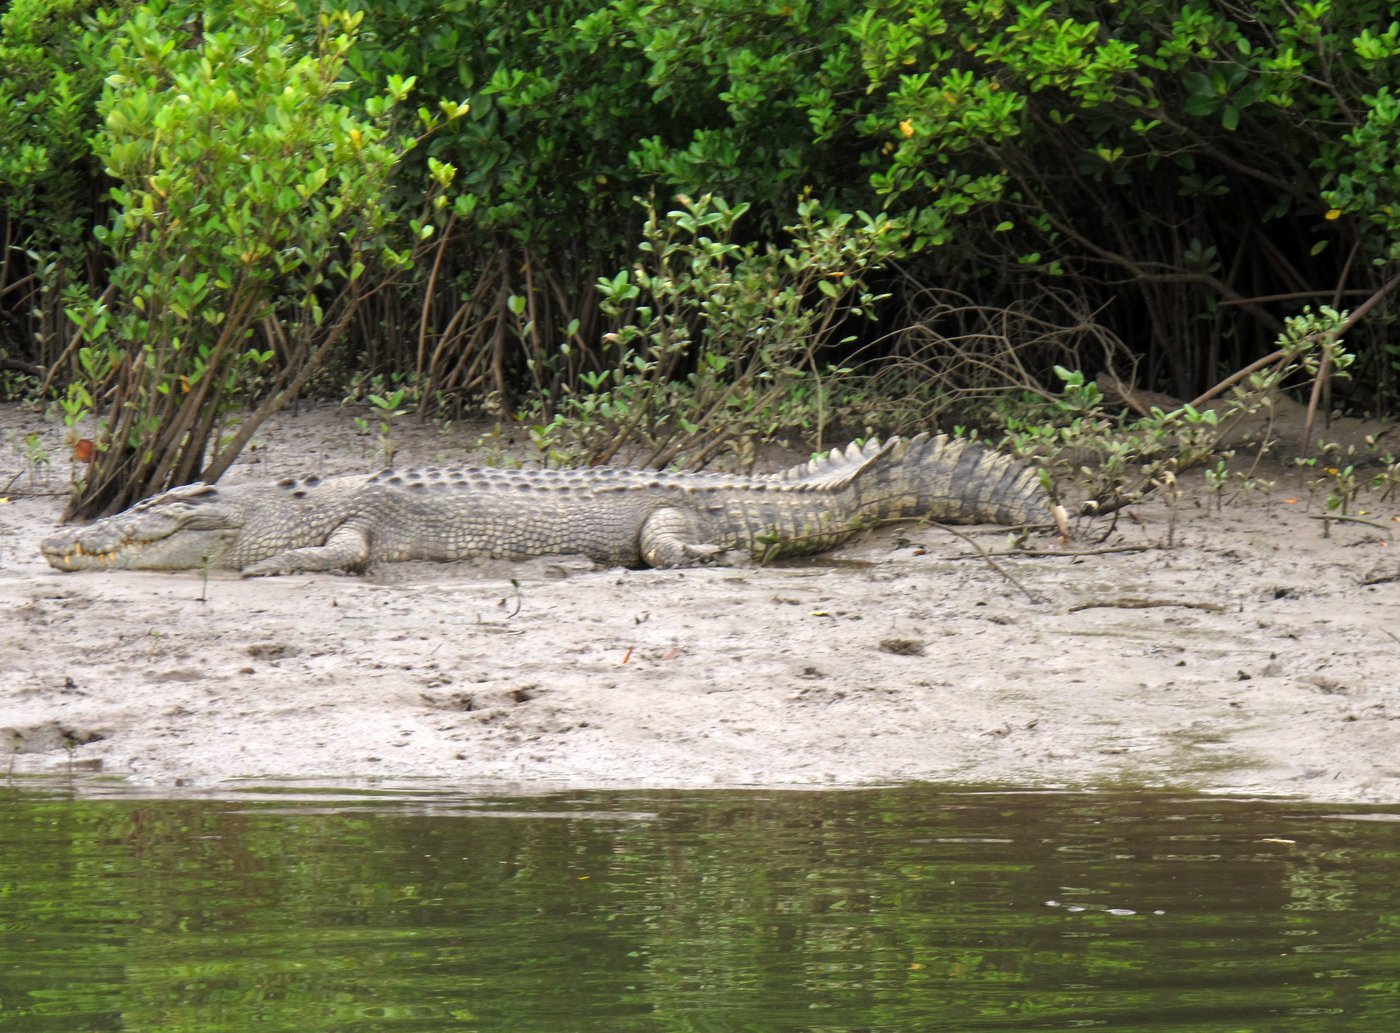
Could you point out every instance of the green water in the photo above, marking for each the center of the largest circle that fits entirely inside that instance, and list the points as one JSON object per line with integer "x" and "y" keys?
{"x": 904, "y": 909}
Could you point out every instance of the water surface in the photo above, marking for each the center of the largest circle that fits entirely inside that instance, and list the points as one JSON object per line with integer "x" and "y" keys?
{"x": 900, "y": 909}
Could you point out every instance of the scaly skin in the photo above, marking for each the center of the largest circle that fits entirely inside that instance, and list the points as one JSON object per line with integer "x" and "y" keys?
{"x": 614, "y": 516}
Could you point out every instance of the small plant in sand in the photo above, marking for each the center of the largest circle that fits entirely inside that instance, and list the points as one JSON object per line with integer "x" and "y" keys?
{"x": 204, "y": 569}
{"x": 390, "y": 399}
{"x": 1217, "y": 477}
{"x": 1346, "y": 486}
{"x": 1341, "y": 477}
{"x": 34, "y": 456}
{"x": 1386, "y": 483}
{"x": 388, "y": 407}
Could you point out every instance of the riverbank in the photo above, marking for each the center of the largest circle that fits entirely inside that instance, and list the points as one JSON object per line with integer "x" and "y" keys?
{"x": 1254, "y": 649}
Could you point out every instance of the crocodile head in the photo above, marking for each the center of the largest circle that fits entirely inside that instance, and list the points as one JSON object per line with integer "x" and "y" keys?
{"x": 182, "y": 529}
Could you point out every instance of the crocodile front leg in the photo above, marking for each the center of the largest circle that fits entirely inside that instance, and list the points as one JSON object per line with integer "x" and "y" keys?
{"x": 346, "y": 549}
{"x": 667, "y": 539}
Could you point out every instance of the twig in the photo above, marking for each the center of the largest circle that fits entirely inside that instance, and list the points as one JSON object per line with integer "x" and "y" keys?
{"x": 1350, "y": 520}
{"x": 1319, "y": 386}
{"x": 1235, "y": 378}
{"x": 986, "y": 556}
{"x": 425, "y": 320}
{"x": 1129, "y": 602}
{"x": 1296, "y": 296}
{"x": 519, "y": 599}
{"x": 1362, "y": 310}
{"x": 29, "y": 494}
{"x": 1054, "y": 553}
{"x": 1325, "y": 366}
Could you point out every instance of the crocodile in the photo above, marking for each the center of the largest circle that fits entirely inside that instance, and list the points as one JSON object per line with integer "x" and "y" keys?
{"x": 615, "y": 516}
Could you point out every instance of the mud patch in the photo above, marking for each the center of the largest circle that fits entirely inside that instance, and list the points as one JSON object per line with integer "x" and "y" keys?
{"x": 48, "y": 737}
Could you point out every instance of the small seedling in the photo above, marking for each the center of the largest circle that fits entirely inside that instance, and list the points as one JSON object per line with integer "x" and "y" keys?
{"x": 387, "y": 407}
{"x": 204, "y": 569}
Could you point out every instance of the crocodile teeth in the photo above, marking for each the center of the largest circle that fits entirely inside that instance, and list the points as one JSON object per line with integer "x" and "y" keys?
{"x": 102, "y": 556}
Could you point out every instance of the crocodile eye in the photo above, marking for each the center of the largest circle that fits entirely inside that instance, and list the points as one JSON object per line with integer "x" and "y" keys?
{"x": 199, "y": 497}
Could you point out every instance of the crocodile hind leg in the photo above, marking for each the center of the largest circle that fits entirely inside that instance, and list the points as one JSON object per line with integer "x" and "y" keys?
{"x": 666, "y": 540}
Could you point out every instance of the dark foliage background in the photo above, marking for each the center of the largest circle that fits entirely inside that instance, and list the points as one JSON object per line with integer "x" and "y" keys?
{"x": 1182, "y": 176}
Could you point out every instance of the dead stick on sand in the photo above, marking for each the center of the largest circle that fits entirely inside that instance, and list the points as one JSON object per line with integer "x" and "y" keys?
{"x": 1053, "y": 553}
{"x": 1032, "y": 596}
{"x": 1349, "y": 520}
{"x": 1136, "y": 603}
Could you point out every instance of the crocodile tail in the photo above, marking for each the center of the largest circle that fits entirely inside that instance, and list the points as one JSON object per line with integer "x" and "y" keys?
{"x": 840, "y": 466}
{"x": 930, "y": 477}
{"x": 956, "y": 481}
